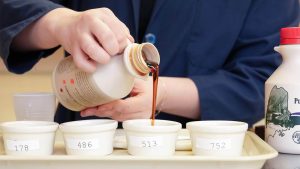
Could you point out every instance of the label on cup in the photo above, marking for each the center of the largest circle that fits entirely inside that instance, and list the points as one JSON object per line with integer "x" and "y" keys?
{"x": 146, "y": 142}
{"x": 83, "y": 144}
{"x": 213, "y": 144}
{"x": 22, "y": 145}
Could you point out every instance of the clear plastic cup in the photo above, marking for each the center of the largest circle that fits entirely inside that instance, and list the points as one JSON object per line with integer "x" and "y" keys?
{"x": 34, "y": 106}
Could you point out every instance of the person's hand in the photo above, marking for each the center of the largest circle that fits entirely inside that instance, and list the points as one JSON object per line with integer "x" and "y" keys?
{"x": 137, "y": 106}
{"x": 90, "y": 36}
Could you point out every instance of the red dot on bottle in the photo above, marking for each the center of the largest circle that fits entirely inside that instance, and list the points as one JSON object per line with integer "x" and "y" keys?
{"x": 72, "y": 81}
{"x": 64, "y": 81}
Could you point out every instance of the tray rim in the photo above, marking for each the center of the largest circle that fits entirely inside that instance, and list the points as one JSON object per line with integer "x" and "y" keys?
{"x": 122, "y": 155}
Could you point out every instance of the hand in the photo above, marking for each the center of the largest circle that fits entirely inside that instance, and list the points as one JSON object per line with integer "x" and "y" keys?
{"x": 137, "y": 106}
{"x": 90, "y": 37}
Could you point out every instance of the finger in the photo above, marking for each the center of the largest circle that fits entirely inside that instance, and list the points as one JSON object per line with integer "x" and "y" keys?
{"x": 105, "y": 36}
{"x": 122, "y": 109}
{"x": 127, "y": 32}
{"x": 106, "y": 110}
{"x": 112, "y": 15}
{"x": 130, "y": 38}
{"x": 97, "y": 111}
{"x": 100, "y": 111}
{"x": 108, "y": 113}
{"x": 120, "y": 30}
{"x": 126, "y": 106}
{"x": 92, "y": 48}
{"x": 88, "y": 112}
{"x": 82, "y": 61}
{"x": 123, "y": 36}
{"x": 123, "y": 116}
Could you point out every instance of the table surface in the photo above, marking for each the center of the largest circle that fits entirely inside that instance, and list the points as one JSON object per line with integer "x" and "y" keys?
{"x": 283, "y": 161}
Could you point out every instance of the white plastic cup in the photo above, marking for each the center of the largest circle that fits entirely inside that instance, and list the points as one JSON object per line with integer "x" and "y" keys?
{"x": 34, "y": 106}
{"x": 29, "y": 137}
{"x": 89, "y": 137}
{"x": 217, "y": 138}
{"x": 146, "y": 140}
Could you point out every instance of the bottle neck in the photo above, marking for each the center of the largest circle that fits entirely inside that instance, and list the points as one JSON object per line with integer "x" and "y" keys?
{"x": 139, "y": 57}
{"x": 138, "y": 60}
{"x": 289, "y": 53}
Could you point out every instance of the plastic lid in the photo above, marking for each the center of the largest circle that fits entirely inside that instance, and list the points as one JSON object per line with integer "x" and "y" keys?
{"x": 290, "y": 35}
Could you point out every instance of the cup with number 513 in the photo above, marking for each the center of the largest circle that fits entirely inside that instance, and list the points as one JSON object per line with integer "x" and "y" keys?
{"x": 143, "y": 139}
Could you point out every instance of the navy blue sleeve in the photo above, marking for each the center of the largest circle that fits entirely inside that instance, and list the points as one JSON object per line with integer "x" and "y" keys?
{"x": 236, "y": 91}
{"x": 15, "y": 16}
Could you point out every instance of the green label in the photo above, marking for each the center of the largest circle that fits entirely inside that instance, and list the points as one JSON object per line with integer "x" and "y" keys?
{"x": 278, "y": 109}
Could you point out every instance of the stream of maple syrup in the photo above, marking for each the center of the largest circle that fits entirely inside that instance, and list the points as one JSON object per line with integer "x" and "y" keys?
{"x": 154, "y": 67}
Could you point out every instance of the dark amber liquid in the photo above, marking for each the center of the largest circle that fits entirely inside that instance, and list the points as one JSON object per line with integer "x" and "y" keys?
{"x": 155, "y": 71}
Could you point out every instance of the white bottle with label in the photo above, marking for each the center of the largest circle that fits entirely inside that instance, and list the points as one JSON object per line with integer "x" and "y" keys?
{"x": 282, "y": 96}
{"x": 77, "y": 90}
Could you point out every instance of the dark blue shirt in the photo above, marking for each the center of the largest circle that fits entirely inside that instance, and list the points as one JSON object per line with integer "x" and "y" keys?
{"x": 224, "y": 46}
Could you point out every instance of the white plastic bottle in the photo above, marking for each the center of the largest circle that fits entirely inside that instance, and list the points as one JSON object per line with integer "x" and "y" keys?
{"x": 282, "y": 96}
{"x": 77, "y": 90}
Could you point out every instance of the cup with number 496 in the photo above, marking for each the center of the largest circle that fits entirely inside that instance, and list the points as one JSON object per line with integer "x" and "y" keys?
{"x": 143, "y": 139}
{"x": 217, "y": 138}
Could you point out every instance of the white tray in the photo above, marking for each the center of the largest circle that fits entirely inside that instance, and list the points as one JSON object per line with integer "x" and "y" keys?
{"x": 255, "y": 153}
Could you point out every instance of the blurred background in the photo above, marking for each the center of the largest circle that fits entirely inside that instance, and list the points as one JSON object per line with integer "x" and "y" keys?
{"x": 37, "y": 80}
